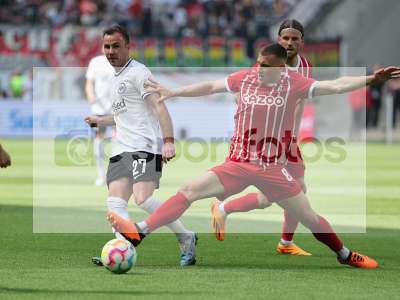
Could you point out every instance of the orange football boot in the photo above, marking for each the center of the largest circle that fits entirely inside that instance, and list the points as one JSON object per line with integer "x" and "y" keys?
{"x": 126, "y": 228}
{"x": 217, "y": 221}
{"x": 291, "y": 249}
{"x": 358, "y": 260}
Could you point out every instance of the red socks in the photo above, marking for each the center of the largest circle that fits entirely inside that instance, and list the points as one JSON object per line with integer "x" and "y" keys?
{"x": 242, "y": 204}
{"x": 325, "y": 234}
{"x": 168, "y": 212}
{"x": 289, "y": 226}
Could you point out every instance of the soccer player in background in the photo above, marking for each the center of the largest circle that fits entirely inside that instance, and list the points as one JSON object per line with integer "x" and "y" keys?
{"x": 5, "y": 159}
{"x": 99, "y": 76}
{"x": 263, "y": 122}
{"x": 144, "y": 139}
{"x": 291, "y": 37}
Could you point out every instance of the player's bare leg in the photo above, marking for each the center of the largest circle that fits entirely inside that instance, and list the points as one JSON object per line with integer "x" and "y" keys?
{"x": 290, "y": 223}
{"x": 206, "y": 186}
{"x": 143, "y": 196}
{"x": 300, "y": 207}
{"x": 220, "y": 210}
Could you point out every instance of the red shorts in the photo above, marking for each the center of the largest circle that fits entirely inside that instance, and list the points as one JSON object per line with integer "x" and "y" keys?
{"x": 296, "y": 169}
{"x": 275, "y": 182}
{"x": 296, "y": 166}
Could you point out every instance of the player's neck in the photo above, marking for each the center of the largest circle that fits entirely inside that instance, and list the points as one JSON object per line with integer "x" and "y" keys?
{"x": 293, "y": 61}
{"x": 120, "y": 68}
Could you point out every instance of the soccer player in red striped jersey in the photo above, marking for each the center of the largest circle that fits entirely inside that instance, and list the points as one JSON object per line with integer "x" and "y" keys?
{"x": 264, "y": 125}
{"x": 291, "y": 37}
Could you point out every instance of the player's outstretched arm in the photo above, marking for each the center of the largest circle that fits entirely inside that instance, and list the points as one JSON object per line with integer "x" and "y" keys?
{"x": 195, "y": 90}
{"x": 97, "y": 121}
{"x": 5, "y": 159}
{"x": 349, "y": 83}
{"x": 168, "y": 149}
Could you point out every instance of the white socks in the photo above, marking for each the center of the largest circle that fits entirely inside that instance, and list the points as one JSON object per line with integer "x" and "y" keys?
{"x": 149, "y": 206}
{"x": 120, "y": 207}
{"x": 285, "y": 242}
{"x": 143, "y": 227}
{"x": 221, "y": 208}
{"x": 98, "y": 151}
{"x": 343, "y": 253}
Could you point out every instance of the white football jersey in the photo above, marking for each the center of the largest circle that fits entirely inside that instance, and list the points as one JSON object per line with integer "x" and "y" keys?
{"x": 102, "y": 73}
{"x": 137, "y": 124}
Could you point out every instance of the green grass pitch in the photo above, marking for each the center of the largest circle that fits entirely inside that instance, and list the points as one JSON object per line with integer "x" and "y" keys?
{"x": 245, "y": 266}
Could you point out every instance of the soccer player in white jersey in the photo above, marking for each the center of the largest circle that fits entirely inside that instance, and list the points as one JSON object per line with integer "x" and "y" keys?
{"x": 144, "y": 139}
{"x": 99, "y": 76}
{"x": 291, "y": 37}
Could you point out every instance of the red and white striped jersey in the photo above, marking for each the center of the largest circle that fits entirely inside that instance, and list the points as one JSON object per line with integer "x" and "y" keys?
{"x": 303, "y": 67}
{"x": 264, "y": 120}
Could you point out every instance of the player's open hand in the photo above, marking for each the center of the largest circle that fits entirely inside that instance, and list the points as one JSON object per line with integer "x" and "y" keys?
{"x": 168, "y": 151}
{"x": 93, "y": 121}
{"x": 5, "y": 159}
{"x": 388, "y": 73}
{"x": 153, "y": 86}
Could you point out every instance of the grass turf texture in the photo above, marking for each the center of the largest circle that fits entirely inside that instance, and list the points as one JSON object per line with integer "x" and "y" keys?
{"x": 38, "y": 266}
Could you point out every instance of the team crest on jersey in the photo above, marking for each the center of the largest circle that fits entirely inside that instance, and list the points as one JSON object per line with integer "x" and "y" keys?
{"x": 122, "y": 88}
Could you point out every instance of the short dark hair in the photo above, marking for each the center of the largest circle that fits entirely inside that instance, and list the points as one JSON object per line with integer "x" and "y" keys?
{"x": 291, "y": 23}
{"x": 117, "y": 28}
{"x": 274, "y": 49}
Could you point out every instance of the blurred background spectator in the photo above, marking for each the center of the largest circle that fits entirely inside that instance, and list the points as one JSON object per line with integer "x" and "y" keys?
{"x": 197, "y": 17}
{"x": 359, "y": 101}
{"x": 375, "y": 94}
{"x": 394, "y": 86}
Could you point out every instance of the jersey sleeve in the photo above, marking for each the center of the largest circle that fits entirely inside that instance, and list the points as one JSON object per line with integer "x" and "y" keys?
{"x": 303, "y": 87}
{"x": 234, "y": 81}
{"x": 90, "y": 72}
{"x": 145, "y": 75}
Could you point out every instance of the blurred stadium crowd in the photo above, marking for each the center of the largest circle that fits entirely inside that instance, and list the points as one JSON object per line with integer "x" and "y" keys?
{"x": 247, "y": 20}
{"x": 162, "y": 18}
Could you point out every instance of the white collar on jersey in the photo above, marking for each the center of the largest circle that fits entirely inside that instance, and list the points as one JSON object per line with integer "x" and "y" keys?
{"x": 297, "y": 66}
{"x": 124, "y": 67}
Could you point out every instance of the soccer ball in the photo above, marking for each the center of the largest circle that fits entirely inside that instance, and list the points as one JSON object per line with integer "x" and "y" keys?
{"x": 118, "y": 256}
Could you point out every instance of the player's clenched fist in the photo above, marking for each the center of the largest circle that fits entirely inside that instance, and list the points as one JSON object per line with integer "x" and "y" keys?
{"x": 5, "y": 159}
{"x": 92, "y": 121}
{"x": 168, "y": 151}
{"x": 100, "y": 121}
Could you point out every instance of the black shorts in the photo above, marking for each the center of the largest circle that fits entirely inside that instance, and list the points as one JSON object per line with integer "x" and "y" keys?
{"x": 137, "y": 166}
